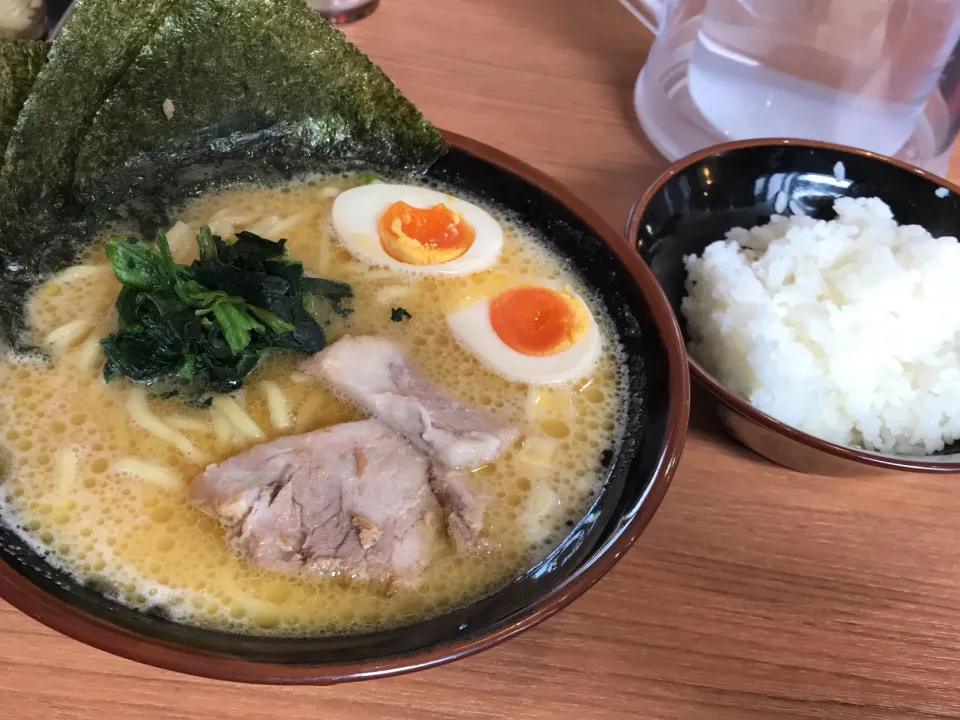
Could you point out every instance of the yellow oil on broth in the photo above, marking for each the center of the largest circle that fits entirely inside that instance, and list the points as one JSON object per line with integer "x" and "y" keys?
{"x": 155, "y": 549}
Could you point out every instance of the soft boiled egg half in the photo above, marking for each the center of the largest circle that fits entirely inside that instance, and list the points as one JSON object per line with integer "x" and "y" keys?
{"x": 415, "y": 229}
{"x": 533, "y": 333}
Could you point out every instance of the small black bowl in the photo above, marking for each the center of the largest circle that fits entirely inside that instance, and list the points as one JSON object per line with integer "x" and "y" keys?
{"x": 702, "y": 196}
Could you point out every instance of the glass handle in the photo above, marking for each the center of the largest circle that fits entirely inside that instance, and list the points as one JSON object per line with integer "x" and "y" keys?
{"x": 649, "y": 12}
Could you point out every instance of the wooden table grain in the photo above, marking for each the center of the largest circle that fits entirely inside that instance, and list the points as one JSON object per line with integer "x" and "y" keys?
{"x": 755, "y": 593}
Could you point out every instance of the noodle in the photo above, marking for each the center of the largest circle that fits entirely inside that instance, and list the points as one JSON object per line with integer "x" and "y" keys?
{"x": 80, "y": 272}
{"x": 189, "y": 424}
{"x": 151, "y": 472}
{"x": 546, "y": 403}
{"x": 286, "y": 223}
{"x": 392, "y": 293}
{"x": 222, "y": 429}
{"x": 90, "y": 354}
{"x": 65, "y": 471}
{"x": 277, "y": 405}
{"x": 182, "y": 241}
{"x": 224, "y": 221}
{"x": 141, "y": 415}
{"x": 66, "y": 336}
{"x": 308, "y": 411}
{"x": 264, "y": 226}
{"x": 538, "y": 452}
{"x": 238, "y": 417}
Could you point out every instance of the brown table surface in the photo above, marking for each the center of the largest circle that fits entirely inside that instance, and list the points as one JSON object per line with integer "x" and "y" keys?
{"x": 755, "y": 592}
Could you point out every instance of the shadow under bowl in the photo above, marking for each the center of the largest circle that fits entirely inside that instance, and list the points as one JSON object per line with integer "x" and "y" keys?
{"x": 636, "y": 481}
{"x": 741, "y": 184}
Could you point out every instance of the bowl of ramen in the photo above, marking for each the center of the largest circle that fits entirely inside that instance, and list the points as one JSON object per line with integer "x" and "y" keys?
{"x": 310, "y": 394}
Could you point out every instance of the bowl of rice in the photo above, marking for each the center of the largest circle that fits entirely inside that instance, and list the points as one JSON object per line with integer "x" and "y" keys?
{"x": 818, "y": 290}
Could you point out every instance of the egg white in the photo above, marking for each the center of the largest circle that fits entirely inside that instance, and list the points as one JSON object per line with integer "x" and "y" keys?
{"x": 471, "y": 327}
{"x": 356, "y": 214}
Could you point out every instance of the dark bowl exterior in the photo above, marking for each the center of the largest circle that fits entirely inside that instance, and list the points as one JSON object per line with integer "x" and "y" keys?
{"x": 700, "y": 197}
{"x": 638, "y": 477}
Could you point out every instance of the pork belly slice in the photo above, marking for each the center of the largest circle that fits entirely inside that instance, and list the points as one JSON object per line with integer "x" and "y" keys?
{"x": 373, "y": 373}
{"x": 462, "y": 508}
{"x": 349, "y": 500}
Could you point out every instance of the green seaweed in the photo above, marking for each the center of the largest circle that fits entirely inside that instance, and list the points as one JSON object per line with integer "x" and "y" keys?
{"x": 94, "y": 48}
{"x": 20, "y": 62}
{"x": 263, "y": 76}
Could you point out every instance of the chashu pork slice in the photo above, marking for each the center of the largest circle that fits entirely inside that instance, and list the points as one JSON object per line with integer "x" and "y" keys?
{"x": 463, "y": 509}
{"x": 352, "y": 500}
{"x": 373, "y": 373}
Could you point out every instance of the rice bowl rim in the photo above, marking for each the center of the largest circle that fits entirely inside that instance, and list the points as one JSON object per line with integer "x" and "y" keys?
{"x": 915, "y": 463}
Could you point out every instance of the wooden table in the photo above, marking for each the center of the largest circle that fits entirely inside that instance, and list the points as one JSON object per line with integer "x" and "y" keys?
{"x": 755, "y": 592}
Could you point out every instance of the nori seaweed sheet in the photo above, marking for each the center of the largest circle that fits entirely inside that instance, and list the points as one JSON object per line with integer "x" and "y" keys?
{"x": 92, "y": 51}
{"x": 296, "y": 91}
{"x": 262, "y": 90}
{"x": 20, "y": 62}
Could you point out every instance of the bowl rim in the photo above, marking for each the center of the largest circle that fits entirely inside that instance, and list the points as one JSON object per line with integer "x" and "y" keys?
{"x": 103, "y": 635}
{"x": 715, "y": 387}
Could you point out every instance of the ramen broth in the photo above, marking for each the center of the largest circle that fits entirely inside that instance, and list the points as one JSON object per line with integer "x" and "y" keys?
{"x": 106, "y": 498}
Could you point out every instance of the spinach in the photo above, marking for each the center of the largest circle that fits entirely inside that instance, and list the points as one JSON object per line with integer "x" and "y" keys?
{"x": 399, "y": 314}
{"x": 201, "y": 329}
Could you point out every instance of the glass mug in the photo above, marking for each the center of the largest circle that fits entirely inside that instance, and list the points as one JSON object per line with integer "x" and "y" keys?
{"x": 856, "y": 72}
{"x": 343, "y": 11}
{"x": 335, "y": 11}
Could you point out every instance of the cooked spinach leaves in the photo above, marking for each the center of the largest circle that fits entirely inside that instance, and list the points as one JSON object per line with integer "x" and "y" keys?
{"x": 202, "y": 328}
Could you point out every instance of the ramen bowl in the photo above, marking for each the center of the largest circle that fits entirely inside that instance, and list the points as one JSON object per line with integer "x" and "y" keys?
{"x": 637, "y": 477}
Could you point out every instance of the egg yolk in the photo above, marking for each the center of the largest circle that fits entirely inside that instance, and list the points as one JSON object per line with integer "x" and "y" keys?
{"x": 424, "y": 236}
{"x": 536, "y": 320}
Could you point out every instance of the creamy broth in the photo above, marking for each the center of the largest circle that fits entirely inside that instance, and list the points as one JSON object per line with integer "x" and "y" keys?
{"x": 74, "y": 486}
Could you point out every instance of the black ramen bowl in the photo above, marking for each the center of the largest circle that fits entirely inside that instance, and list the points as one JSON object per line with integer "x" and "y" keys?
{"x": 638, "y": 476}
{"x": 700, "y": 197}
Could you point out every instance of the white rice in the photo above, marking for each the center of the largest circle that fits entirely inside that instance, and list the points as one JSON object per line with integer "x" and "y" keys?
{"x": 847, "y": 329}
